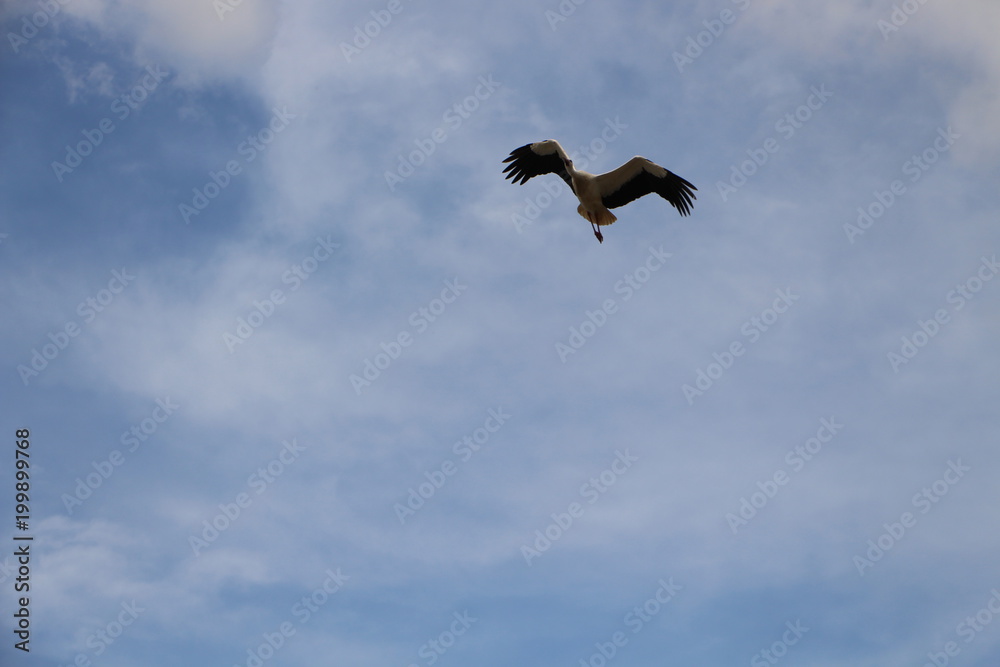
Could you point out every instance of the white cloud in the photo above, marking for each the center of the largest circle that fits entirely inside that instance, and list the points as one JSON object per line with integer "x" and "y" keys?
{"x": 189, "y": 36}
{"x": 961, "y": 33}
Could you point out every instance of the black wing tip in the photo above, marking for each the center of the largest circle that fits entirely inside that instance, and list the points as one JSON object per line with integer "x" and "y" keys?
{"x": 521, "y": 151}
{"x": 684, "y": 203}
{"x": 517, "y": 175}
{"x": 521, "y": 166}
{"x": 518, "y": 152}
{"x": 685, "y": 196}
{"x": 515, "y": 170}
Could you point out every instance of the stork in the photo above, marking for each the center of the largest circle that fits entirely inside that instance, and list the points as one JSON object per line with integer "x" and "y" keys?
{"x": 597, "y": 194}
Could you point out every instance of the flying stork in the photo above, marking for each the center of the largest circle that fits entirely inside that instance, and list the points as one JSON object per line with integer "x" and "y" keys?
{"x": 597, "y": 194}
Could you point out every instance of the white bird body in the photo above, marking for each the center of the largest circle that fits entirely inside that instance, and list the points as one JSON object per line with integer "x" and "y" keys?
{"x": 599, "y": 193}
{"x": 589, "y": 193}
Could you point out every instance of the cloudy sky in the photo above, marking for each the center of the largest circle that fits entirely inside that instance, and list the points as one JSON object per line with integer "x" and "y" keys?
{"x": 307, "y": 381}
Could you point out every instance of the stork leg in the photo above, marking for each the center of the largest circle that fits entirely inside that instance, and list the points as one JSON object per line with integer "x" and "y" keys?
{"x": 592, "y": 219}
{"x": 597, "y": 232}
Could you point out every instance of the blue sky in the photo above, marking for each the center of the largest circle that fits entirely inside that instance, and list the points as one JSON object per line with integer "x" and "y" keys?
{"x": 308, "y": 381}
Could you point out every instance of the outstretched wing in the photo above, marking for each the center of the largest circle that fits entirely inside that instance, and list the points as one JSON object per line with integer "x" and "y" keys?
{"x": 639, "y": 177}
{"x": 541, "y": 157}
